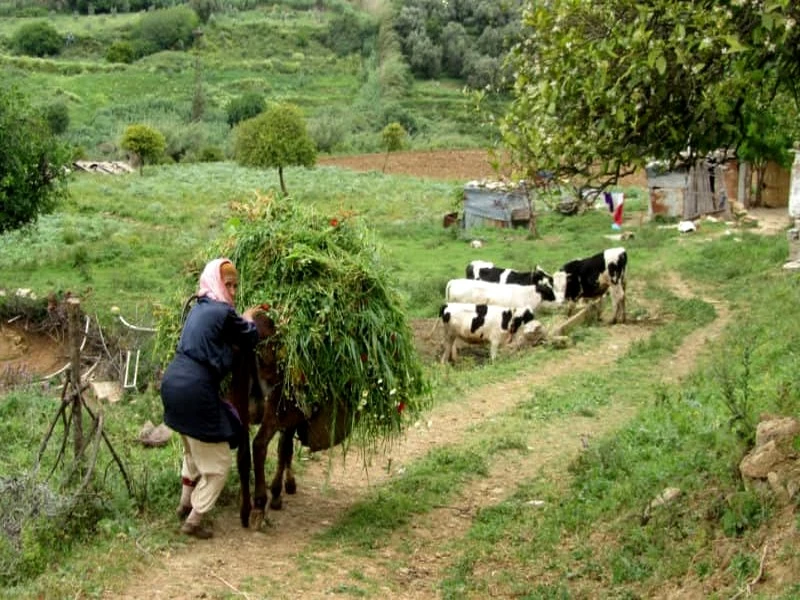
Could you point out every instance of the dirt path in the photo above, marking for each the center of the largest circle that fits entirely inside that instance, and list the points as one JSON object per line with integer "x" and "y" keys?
{"x": 328, "y": 488}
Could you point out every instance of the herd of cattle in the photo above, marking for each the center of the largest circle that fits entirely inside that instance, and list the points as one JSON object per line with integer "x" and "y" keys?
{"x": 492, "y": 304}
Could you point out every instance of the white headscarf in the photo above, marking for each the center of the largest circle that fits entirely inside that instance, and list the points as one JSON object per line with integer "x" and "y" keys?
{"x": 211, "y": 283}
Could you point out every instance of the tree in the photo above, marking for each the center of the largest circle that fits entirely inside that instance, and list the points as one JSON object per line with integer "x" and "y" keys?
{"x": 37, "y": 39}
{"x": 276, "y": 138}
{"x": 602, "y": 87}
{"x": 144, "y": 142}
{"x": 32, "y": 163}
{"x": 392, "y": 137}
{"x": 245, "y": 107}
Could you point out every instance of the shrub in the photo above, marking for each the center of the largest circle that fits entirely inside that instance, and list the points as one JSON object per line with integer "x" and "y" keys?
{"x": 144, "y": 142}
{"x": 204, "y": 8}
{"x": 396, "y": 113}
{"x": 328, "y": 130}
{"x": 211, "y": 154}
{"x": 168, "y": 29}
{"x": 245, "y": 107}
{"x": 121, "y": 52}
{"x": 37, "y": 39}
{"x": 349, "y": 32}
{"x": 57, "y": 117}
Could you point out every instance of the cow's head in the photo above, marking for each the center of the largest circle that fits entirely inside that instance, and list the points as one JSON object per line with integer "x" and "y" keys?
{"x": 560, "y": 281}
{"x": 520, "y": 316}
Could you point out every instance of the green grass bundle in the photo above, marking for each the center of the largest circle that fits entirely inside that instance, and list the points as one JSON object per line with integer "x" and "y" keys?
{"x": 342, "y": 331}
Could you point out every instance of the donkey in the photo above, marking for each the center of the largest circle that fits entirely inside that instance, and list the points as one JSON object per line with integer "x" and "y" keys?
{"x": 256, "y": 391}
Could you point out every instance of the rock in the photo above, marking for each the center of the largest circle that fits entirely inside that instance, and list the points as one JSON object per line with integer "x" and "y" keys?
{"x": 774, "y": 462}
{"x": 776, "y": 428}
{"x": 106, "y": 391}
{"x": 153, "y": 436}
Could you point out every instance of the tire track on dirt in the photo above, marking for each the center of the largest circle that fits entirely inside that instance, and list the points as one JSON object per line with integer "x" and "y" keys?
{"x": 551, "y": 447}
{"x": 328, "y": 487}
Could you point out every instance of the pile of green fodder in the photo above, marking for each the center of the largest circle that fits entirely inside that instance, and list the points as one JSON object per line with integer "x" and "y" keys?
{"x": 342, "y": 332}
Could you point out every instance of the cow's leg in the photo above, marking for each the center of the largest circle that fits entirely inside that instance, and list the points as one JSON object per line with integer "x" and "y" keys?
{"x": 285, "y": 451}
{"x": 449, "y": 344}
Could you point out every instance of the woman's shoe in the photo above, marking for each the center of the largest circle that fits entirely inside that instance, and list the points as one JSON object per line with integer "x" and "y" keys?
{"x": 197, "y": 531}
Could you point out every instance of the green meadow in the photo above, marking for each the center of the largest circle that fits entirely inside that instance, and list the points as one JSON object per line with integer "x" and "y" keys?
{"x": 126, "y": 240}
{"x": 566, "y": 525}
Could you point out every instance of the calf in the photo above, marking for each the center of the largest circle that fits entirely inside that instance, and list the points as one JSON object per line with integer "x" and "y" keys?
{"x": 501, "y": 294}
{"x": 592, "y": 277}
{"x": 486, "y": 271}
{"x": 479, "y": 324}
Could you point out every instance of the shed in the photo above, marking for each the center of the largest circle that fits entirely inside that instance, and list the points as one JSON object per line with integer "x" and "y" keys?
{"x": 687, "y": 192}
{"x": 496, "y": 204}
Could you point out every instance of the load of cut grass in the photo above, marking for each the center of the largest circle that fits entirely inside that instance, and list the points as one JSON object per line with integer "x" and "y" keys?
{"x": 342, "y": 332}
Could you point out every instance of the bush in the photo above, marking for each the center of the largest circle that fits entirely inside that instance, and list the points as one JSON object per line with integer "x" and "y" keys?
{"x": 211, "y": 154}
{"x": 349, "y": 32}
{"x": 396, "y": 113}
{"x": 245, "y": 107}
{"x": 168, "y": 29}
{"x": 57, "y": 117}
{"x": 329, "y": 129}
{"x": 121, "y": 52}
{"x": 205, "y": 8}
{"x": 37, "y": 39}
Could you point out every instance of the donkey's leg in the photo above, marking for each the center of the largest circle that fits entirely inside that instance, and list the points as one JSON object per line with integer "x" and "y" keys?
{"x": 243, "y": 464}
{"x": 276, "y": 487}
{"x": 287, "y": 452}
{"x": 260, "y": 443}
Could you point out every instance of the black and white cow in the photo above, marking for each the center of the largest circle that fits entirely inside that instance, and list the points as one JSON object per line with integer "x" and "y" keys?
{"x": 480, "y": 324}
{"x": 486, "y": 271}
{"x": 590, "y": 278}
{"x": 476, "y": 291}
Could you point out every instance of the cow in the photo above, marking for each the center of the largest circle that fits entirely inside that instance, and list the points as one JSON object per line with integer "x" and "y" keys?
{"x": 257, "y": 392}
{"x": 479, "y": 324}
{"x": 501, "y": 294}
{"x": 486, "y": 271}
{"x": 590, "y": 278}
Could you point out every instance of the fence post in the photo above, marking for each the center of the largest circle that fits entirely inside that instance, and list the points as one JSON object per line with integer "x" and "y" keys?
{"x": 73, "y": 314}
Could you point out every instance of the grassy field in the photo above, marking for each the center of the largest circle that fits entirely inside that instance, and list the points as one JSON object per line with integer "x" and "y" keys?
{"x": 282, "y": 59}
{"x": 126, "y": 240}
{"x": 496, "y": 502}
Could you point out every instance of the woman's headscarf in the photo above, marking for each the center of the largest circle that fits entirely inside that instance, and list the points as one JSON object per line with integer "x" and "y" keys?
{"x": 211, "y": 283}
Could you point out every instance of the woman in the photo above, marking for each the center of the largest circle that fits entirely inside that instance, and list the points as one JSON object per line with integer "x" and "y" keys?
{"x": 190, "y": 391}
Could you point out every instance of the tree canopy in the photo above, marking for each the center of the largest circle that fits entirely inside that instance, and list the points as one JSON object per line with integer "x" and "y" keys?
{"x": 604, "y": 86}
{"x": 276, "y": 138}
{"x": 32, "y": 163}
{"x": 145, "y": 142}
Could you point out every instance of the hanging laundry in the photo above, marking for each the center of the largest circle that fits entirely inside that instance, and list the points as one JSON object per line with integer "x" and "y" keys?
{"x": 614, "y": 201}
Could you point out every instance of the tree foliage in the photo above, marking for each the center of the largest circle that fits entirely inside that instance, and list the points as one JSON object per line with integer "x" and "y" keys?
{"x": 392, "y": 138}
{"x": 277, "y": 138}
{"x": 245, "y": 107}
{"x": 168, "y": 29}
{"x": 37, "y": 39}
{"x": 603, "y": 86}
{"x": 32, "y": 161}
{"x": 146, "y": 143}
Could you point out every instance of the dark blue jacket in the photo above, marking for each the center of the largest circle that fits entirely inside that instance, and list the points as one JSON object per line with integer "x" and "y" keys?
{"x": 190, "y": 389}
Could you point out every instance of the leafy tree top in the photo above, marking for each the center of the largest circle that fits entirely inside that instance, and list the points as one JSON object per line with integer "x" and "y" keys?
{"x": 275, "y": 138}
{"x": 33, "y": 176}
{"x": 600, "y": 87}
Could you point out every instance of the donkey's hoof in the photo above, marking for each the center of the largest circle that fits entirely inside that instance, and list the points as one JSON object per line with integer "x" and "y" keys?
{"x": 276, "y": 503}
{"x": 291, "y": 486}
{"x": 256, "y": 519}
